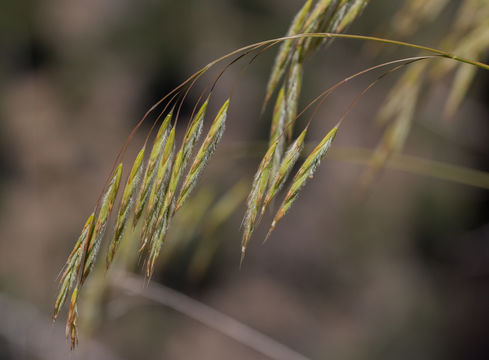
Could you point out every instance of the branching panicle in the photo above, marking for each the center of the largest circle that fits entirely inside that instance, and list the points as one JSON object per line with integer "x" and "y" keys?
{"x": 151, "y": 191}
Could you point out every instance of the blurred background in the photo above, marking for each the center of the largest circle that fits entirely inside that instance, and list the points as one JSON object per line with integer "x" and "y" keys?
{"x": 402, "y": 272}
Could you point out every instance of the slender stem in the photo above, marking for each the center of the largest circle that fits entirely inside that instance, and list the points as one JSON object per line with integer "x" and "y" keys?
{"x": 353, "y": 37}
{"x": 208, "y": 316}
{"x": 415, "y": 165}
{"x": 361, "y": 156}
{"x": 352, "y": 105}
{"x": 278, "y": 40}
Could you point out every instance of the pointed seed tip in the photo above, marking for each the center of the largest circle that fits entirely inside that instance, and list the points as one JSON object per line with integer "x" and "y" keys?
{"x": 243, "y": 252}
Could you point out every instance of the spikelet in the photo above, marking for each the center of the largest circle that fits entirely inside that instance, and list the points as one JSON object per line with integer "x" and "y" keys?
{"x": 285, "y": 50}
{"x": 151, "y": 169}
{"x": 276, "y": 132}
{"x": 71, "y": 267}
{"x": 351, "y": 12}
{"x": 317, "y": 21}
{"x": 71, "y": 331}
{"x": 162, "y": 219}
{"x": 255, "y": 197}
{"x": 174, "y": 179}
{"x": 101, "y": 223}
{"x": 204, "y": 153}
{"x": 193, "y": 133}
{"x": 191, "y": 136}
{"x": 290, "y": 158}
{"x": 165, "y": 214}
{"x": 332, "y": 17}
{"x": 320, "y": 9}
{"x": 126, "y": 204}
{"x": 294, "y": 84}
{"x": 306, "y": 170}
{"x": 157, "y": 239}
{"x": 158, "y": 191}
{"x": 167, "y": 210}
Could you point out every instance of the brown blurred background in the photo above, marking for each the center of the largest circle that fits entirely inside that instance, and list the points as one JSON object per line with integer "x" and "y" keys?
{"x": 401, "y": 274}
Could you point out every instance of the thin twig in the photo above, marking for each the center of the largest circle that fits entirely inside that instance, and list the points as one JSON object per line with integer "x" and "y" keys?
{"x": 208, "y": 316}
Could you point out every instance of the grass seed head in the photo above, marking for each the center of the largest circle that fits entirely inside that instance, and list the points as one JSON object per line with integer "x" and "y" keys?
{"x": 277, "y": 130}
{"x": 193, "y": 132}
{"x": 289, "y": 160}
{"x": 255, "y": 197}
{"x": 205, "y": 152}
{"x": 107, "y": 203}
{"x": 71, "y": 331}
{"x": 158, "y": 192}
{"x": 71, "y": 267}
{"x": 306, "y": 171}
{"x": 294, "y": 85}
{"x": 151, "y": 168}
{"x": 352, "y": 11}
{"x": 126, "y": 204}
{"x": 286, "y": 48}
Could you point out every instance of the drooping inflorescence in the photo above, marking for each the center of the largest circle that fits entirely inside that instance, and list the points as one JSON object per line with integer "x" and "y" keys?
{"x": 157, "y": 187}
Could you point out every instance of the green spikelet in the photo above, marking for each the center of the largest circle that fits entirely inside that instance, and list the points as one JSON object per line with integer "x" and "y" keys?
{"x": 166, "y": 212}
{"x": 71, "y": 331}
{"x": 151, "y": 168}
{"x": 306, "y": 170}
{"x": 204, "y": 153}
{"x": 277, "y": 132}
{"x": 285, "y": 51}
{"x": 157, "y": 196}
{"x": 126, "y": 204}
{"x": 71, "y": 267}
{"x": 193, "y": 133}
{"x": 286, "y": 166}
{"x": 101, "y": 223}
{"x": 294, "y": 85}
{"x": 255, "y": 197}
